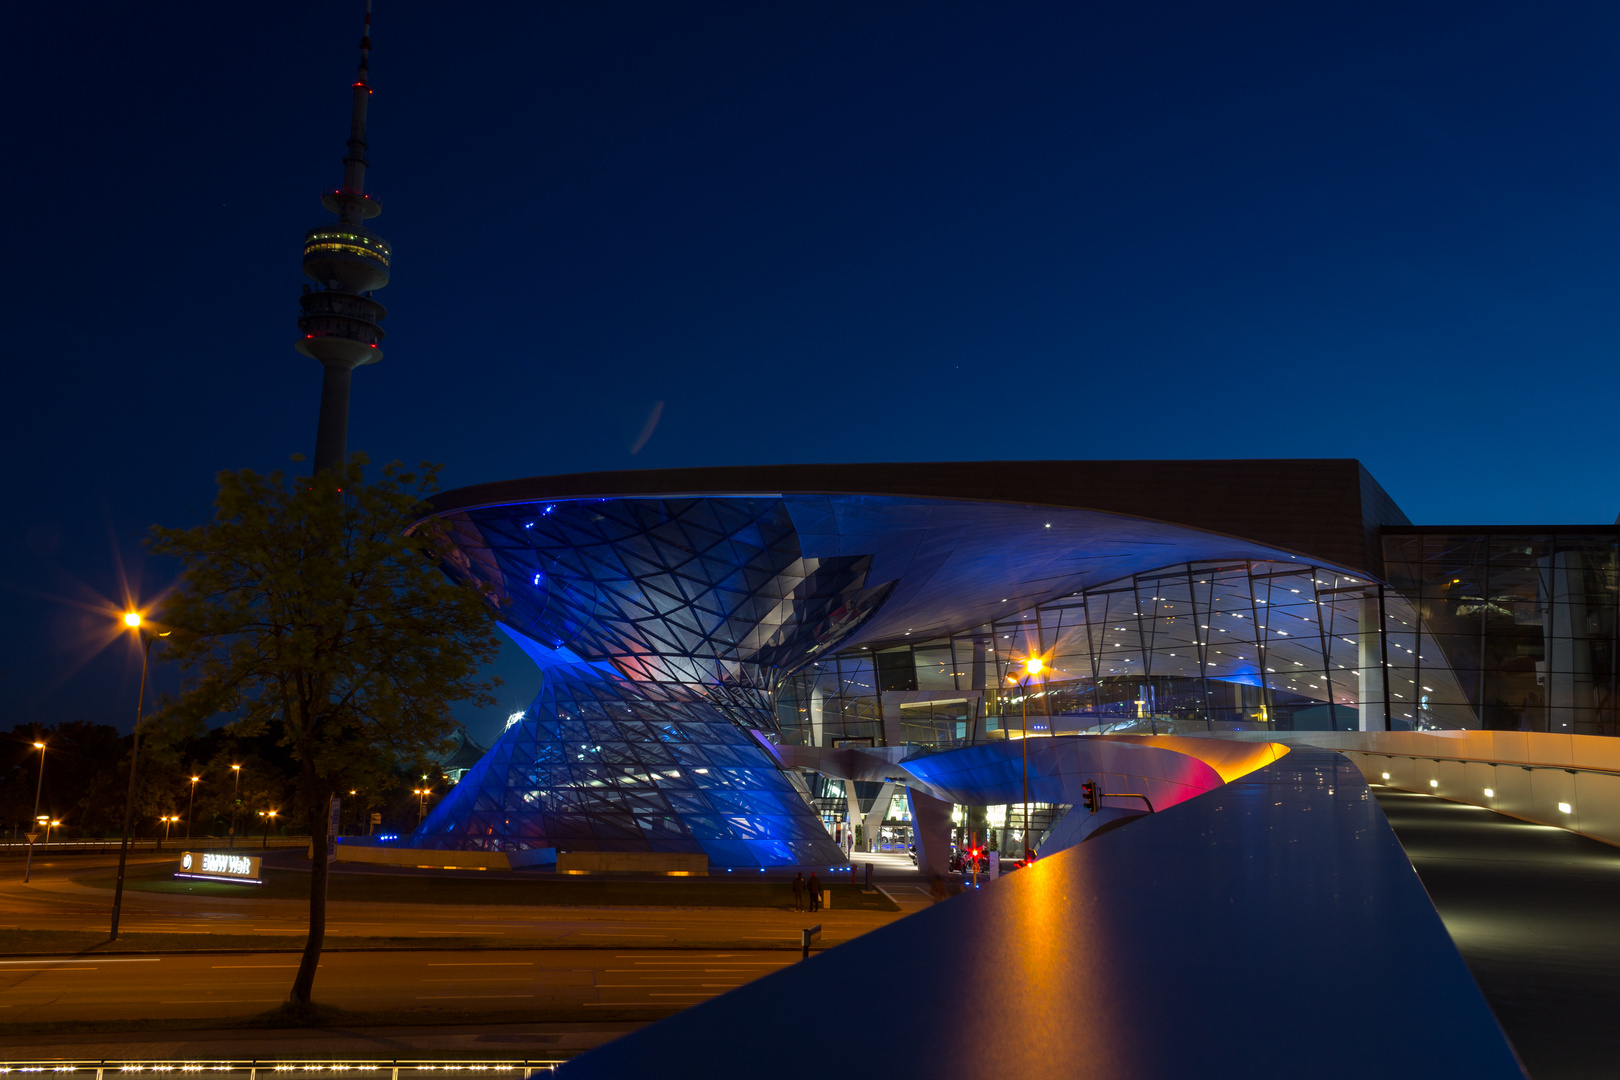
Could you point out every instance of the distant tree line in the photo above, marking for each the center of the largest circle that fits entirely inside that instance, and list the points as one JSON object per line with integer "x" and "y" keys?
{"x": 87, "y": 782}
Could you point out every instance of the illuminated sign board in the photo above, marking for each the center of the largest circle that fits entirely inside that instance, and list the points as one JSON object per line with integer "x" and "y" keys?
{"x": 220, "y": 866}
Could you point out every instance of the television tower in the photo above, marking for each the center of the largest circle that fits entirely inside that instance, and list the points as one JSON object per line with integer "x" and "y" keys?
{"x": 347, "y": 262}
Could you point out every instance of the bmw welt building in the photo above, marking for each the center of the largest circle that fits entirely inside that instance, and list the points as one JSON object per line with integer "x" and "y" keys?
{"x": 769, "y": 666}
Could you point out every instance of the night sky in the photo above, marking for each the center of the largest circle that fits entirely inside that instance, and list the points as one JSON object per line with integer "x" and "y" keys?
{"x": 812, "y": 232}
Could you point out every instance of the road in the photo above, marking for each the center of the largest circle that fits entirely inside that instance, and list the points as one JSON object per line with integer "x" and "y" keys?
{"x": 1532, "y": 910}
{"x": 535, "y": 980}
{"x": 429, "y": 985}
{"x": 51, "y": 901}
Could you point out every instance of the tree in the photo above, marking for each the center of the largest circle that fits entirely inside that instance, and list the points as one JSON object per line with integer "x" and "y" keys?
{"x": 313, "y": 609}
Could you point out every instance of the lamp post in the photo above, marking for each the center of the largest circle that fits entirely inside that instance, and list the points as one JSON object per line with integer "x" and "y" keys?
{"x": 133, "y": 621}
{"x": 39, "y": 787}
{"x": 269, "y": 816}
{"x": 1032, "y": 666}
{"x": 191, "y": 804}
{"x": 48, "y": 824}
{"x": 168, "y": 820}
{"x": 421, "y": 802}
{"x": 236, "y": 785}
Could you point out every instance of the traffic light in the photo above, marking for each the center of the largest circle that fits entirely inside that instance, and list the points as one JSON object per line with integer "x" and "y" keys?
{"x": 1089, "y": 796}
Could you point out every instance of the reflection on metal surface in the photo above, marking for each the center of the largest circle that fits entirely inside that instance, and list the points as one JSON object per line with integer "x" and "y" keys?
{"x": 1246, "y": 932}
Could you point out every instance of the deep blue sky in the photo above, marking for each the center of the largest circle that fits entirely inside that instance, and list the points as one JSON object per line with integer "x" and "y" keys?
{"x": 815, "y": 232}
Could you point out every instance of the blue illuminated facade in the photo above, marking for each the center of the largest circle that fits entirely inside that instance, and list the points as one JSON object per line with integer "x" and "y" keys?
{"x": 691, "y": 623}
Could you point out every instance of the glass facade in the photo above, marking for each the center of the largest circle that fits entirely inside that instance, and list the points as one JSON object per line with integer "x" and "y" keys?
{"x": 1525, "y": 619}
{"x": 1227, "y": 645}
{"x": 604, "y": 764}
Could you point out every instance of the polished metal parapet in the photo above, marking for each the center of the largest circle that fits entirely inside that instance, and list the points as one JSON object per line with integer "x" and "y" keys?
{"x": 1270, "y": 927}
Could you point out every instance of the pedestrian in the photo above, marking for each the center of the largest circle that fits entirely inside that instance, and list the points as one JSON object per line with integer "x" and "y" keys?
{"x": 798, "y": 891}
{"x": 815, "y": 892}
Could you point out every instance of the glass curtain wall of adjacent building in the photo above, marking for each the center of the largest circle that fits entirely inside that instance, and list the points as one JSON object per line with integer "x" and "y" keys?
{"x": 1526, "y": 619}
{"x": 1197, "y": 646}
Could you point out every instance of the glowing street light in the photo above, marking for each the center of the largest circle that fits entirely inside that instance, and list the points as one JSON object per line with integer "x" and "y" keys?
{"x": 1032, "y": 667}
{"x": 39, "y": 787}
{"x": 134, "y": 621}
{"x": 236, "y": 801}
{"x": 190, "y": 804}
{"x": 269, "y": 817}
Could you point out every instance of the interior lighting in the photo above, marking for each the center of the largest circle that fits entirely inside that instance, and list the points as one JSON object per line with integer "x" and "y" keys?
{"x": 1386, "y": 776}
{"x": 1490, "y": 793}
{"x": 1434, "y": 783}
{"x": 1565, "y": 808}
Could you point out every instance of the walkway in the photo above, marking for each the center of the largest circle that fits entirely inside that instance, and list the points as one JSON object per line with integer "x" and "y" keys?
{"x": 1535, "y": 911}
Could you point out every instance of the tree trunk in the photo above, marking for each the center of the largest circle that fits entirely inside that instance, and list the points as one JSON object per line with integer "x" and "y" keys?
{"x": 304, "y": 984}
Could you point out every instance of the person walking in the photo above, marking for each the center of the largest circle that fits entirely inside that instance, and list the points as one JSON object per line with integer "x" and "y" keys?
{"x": 815, "y": 892}
{"x": 798, "y": 891}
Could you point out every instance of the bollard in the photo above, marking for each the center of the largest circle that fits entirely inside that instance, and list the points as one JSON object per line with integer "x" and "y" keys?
{"x": 806, "y": 936}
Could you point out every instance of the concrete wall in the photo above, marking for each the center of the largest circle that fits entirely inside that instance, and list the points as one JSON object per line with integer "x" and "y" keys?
{"x": 1528, "y": 774}
{"x": 446, "y": 860}
{"x": 673, "y": 863}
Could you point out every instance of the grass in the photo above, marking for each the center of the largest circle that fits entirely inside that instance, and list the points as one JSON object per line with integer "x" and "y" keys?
{"x": 476, "y": 889}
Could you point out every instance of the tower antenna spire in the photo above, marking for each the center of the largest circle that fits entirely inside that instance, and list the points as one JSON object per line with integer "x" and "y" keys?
{"x": 347, "y": 262}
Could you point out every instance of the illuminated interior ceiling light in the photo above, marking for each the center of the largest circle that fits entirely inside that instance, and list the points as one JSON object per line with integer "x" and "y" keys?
{"x": 1386, "y": 776}
{"x": 1434, "y": 783}
{"x": 1565, "y": 808}
{"x": 1490, "y": 793}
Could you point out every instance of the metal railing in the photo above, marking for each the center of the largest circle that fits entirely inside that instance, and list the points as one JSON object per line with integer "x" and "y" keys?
{"x": 290, "y": 1068}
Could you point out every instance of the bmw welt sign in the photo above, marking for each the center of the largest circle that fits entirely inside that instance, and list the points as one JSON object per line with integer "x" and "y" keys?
{"x": 220, "y": 866}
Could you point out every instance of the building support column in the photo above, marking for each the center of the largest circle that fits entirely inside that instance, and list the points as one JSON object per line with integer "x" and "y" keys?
{"x": 1370, "y": 661}
{"x": 931, "y": 826}
{"x": 873, "y": 819}
{"x": 853, "y": 802}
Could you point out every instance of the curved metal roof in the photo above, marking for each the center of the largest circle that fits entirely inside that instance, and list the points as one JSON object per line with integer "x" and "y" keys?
{"x": 1327, "y": 509}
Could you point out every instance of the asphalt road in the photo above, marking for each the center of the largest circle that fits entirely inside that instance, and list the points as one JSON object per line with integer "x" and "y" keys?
{"x": 1533, "y": 910}
{"x": 432, "y": 984}
{"x": 52, "y": 901}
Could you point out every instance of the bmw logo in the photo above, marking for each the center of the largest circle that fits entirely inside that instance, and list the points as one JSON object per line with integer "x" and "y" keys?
{"x": 185, "y": 861}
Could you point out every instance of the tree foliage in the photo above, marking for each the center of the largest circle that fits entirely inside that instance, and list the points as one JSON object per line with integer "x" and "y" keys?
{"x": 313, "y": 609}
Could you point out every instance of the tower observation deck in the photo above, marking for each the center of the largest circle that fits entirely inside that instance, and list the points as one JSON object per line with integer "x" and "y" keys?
{"x": 347, "y": 262}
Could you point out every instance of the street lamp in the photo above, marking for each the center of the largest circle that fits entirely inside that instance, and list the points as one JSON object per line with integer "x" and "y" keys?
{"x": 134, "y": 621}
{"x": 269, "y": 816}
{"x": 39, "y": 787}
{"x": 236, "y": 785}
{"x": 168, "y": 820}
{"x": 1032, "y": 667}
{"x": 189, "y": 805}
{"x": 421, "y": 802}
